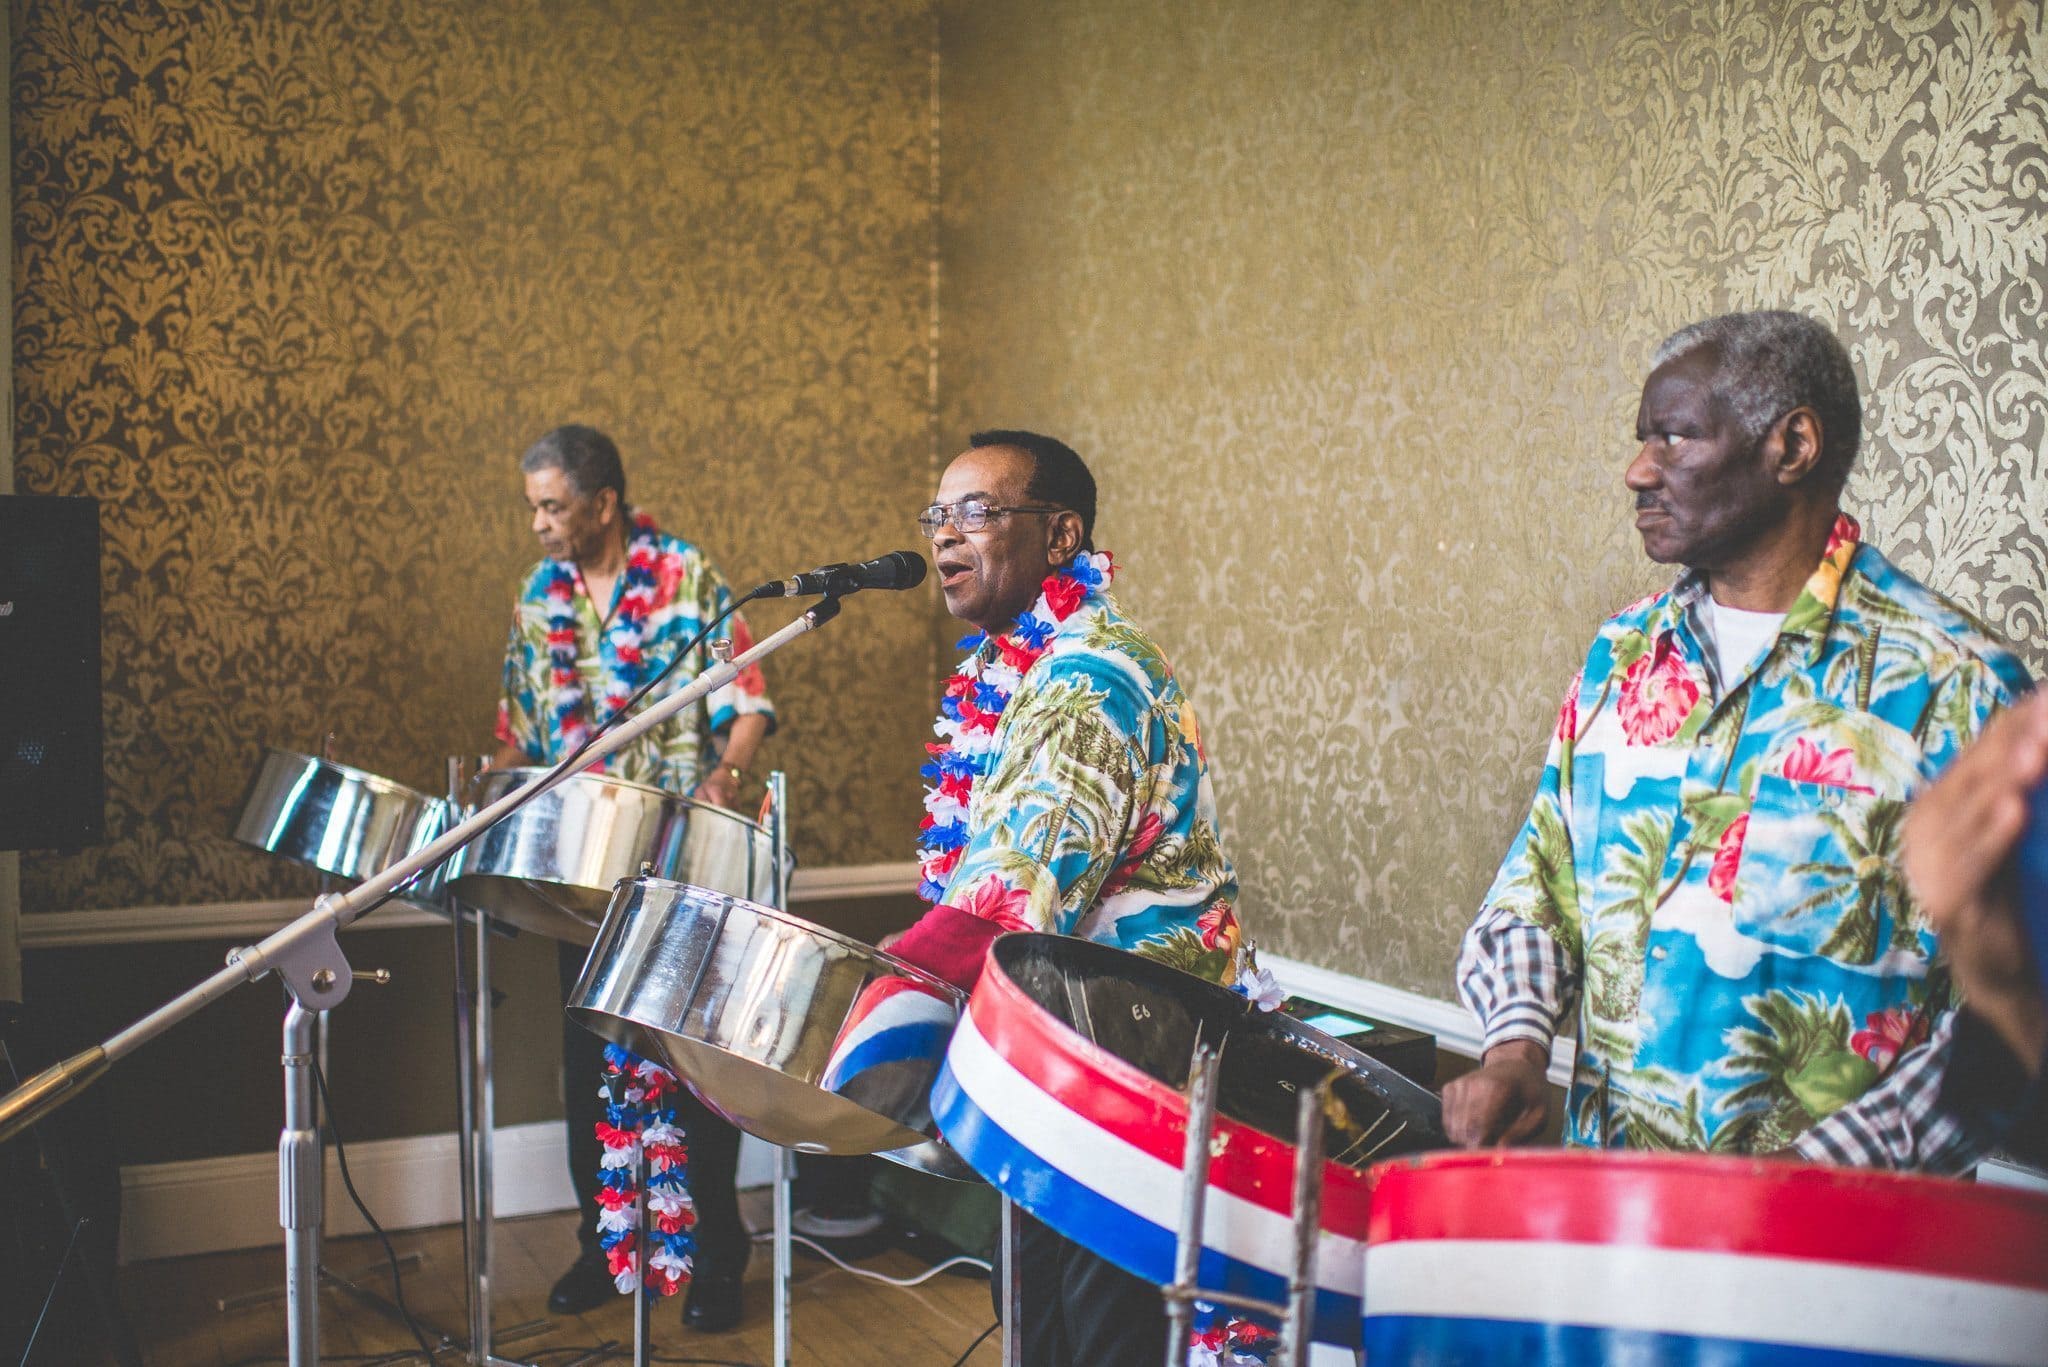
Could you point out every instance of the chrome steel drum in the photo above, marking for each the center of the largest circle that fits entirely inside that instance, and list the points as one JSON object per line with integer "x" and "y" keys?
{"x": 340, "y": 820}
{"x": 795, "y": 1033}
{"x": 550, "y": 866}
{"x": 1065, "y": 1087}
{"x": 1585, "y": 1259}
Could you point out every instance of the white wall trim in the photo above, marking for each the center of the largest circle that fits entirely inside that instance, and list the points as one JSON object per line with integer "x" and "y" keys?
{"x": 253, "y": 920}
{"x": 204, "y": 1205}
{"x": 1451, "y": 1023}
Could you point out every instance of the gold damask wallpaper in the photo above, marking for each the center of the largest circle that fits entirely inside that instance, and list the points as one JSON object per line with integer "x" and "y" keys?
{"x": 296, "y": 281}
{"x": 1349, "y": 303}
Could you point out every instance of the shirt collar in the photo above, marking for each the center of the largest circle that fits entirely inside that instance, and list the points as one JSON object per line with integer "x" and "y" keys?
{"x": 1812, "y": 612}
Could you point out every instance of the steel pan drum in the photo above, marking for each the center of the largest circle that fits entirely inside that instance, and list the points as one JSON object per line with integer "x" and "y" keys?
{"x": 1608, "y": 1258}
{"x": 550, "y": 867}
{"x": 1064, "y": 1087}
{"x": 339, "y": 820}
{"x": 795, "y": 1033}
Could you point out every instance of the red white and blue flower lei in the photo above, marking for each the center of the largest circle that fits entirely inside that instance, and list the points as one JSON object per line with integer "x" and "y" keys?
{"x": 972, "y": 706}
{"x": 624, "y": 634}
{"x": 636, "y": 1117}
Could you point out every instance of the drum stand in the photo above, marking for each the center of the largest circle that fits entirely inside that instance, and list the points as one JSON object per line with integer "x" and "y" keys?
{"x": 1298, "y": 1314}
{"x": 306, "y": 955}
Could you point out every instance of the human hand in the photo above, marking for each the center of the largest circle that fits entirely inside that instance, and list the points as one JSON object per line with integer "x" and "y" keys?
{"x": 1957, "y": 852}
{"x": 1502, "y": 1101}
{"x": 720, "y": 788}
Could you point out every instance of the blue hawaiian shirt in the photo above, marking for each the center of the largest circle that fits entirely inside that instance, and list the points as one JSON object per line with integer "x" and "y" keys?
{"x": 1708, "y": 882}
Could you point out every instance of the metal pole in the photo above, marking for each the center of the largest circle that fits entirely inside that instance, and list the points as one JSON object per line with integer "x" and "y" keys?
{"x": 1194, "y": 1195}
{"x": 299, "y": 1176}
{"x": 1308, "y": 1220}
{"x": 643, "y": 1336}
{"x": 480, "y": 1151}
{"x": 785, "y": 1176}
{"x": 1013, "y": 1287}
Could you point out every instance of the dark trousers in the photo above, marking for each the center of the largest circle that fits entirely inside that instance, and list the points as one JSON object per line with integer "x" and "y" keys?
{"x": 1078, "y": 1310}
{"x": 722, "y": 1241}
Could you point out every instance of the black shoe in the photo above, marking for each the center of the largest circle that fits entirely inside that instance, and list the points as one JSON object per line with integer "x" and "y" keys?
{"x": 585, "y": 1286}
{"x": 713, "y": 1303}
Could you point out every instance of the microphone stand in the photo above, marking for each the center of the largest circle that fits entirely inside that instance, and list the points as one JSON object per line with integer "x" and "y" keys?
{"x": 309, "y": 960}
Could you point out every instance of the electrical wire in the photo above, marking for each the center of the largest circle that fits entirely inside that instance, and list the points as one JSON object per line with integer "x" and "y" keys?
{"x": 829, "y": 1256}
{"x": 390, "y": 1254}
{"x": 982, "y": 1338}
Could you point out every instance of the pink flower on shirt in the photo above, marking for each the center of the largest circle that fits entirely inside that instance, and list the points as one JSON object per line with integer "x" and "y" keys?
{"x": 1728, "y": 859}
{"x": 1808, "y": 763}
{"x": 1657, "y": 695}
{"x": 994, "y": 900}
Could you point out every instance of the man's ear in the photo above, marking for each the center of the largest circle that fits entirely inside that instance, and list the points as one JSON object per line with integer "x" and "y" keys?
{"x": 1793, "y": 446}
{"x": 607, "y": 504}
{"x": 1062, "y": 537}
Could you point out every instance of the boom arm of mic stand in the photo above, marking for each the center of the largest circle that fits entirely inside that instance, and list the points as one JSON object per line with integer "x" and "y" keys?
{"x": 305, "y": 954}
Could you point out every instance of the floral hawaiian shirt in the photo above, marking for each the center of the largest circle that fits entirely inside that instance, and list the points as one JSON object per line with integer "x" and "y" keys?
{"x": 1710, "y": 883}
{"x": 1097, "y": 818}
{"x": 688, "y": 592}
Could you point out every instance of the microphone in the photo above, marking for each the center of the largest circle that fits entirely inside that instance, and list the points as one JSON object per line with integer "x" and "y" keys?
{"x": 896, "y": 570}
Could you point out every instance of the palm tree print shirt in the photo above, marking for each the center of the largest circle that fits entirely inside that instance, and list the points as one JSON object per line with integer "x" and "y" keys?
{"x": 1097, "y": 817}
{"x": 1709, "y": 881}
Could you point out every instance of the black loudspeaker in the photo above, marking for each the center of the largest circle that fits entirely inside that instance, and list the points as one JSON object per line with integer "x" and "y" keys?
{"x": 52, "y": 783}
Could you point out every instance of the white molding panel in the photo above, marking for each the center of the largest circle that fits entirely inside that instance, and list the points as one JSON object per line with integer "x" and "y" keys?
{"x": 254, "y": 920}
{"x": 205, "y": 1205}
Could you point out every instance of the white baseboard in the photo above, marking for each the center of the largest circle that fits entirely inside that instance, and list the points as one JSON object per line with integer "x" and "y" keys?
{"x": 205, "y": 1205}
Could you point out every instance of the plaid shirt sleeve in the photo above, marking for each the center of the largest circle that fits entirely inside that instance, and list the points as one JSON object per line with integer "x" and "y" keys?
{"x": 1516, "y": 978}
{"x": 1901, "y": 1122}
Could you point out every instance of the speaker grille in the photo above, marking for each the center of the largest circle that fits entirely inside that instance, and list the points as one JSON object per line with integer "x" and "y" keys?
{"x": 52, "y": 782}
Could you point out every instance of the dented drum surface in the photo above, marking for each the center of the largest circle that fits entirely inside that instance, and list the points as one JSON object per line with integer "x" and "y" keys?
{"x": 796, "y": 1034}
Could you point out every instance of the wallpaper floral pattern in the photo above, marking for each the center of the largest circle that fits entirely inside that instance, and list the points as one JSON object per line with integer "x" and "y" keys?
{"x": 297, "y": 281}
{"x": 1349, "y": 302}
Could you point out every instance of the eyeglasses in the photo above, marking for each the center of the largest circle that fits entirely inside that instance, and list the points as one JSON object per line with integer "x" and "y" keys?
{"x": 972, "y": 514}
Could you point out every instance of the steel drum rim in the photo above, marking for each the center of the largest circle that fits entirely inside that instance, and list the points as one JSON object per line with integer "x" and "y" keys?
{"x": 1267, "y": 1159}
{"x": 635, "y": 785}
{"x": 902, "y": 968}
{"x": 1636, "y": 1164}
{"x": 389, "y": 787}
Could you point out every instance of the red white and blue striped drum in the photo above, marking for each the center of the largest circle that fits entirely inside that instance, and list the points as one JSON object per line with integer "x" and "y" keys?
{"x": 1063, "y": 1086}
{"x": 1587, "y": 1259}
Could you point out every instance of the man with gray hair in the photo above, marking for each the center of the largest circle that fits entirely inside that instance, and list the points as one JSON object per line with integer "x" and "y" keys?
{"x": 608, "y": 607}
{"x": 1707, "y": 887}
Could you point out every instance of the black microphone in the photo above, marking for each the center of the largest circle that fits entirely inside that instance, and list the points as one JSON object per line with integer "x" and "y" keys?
{"x": 896, "y": 570}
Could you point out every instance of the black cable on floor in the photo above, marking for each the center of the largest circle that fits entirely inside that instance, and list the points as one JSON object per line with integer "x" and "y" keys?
{"x": 979, "y": 1340}
{"x": 390, "y": 1254}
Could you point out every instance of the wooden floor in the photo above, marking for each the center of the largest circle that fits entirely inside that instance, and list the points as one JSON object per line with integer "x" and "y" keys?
{"x": 838, "y": 1319}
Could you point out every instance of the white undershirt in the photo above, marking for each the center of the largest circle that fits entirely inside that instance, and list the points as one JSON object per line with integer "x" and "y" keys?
{"x": 1739, "y": 637}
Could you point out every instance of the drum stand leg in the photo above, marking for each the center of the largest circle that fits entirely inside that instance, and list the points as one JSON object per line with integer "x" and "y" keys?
{"x": 1299, "y": 1312}
{"x": 1194, "y": 1195}
{"x": 1012, "y": 1266}
{"x": 480, "y": 1139}
{"x": 785, "y": 1176}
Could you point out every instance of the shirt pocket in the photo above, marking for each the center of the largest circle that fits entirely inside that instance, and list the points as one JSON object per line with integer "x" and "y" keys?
{"x": 1819, "y": 872}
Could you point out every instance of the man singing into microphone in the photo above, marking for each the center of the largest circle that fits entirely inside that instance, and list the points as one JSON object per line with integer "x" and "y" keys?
{"x": 1069, "y": 794}
{"x": 608, "y": 608}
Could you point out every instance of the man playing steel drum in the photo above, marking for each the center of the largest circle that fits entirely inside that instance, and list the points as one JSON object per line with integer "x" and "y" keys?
{"x": 1070, "y": 794}
{"x": 608, "y": 607}
{"x": 1707, "y": 886}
